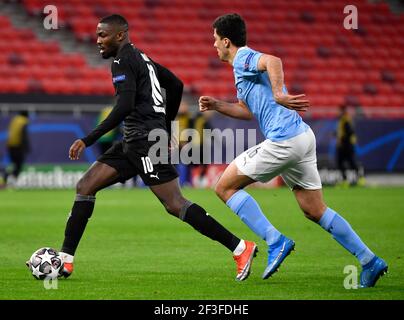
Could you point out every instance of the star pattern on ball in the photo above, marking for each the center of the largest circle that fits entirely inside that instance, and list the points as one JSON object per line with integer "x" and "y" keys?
{"x": 46, "y": 257}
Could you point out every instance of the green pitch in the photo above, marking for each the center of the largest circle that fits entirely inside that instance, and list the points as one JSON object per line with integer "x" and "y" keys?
{"x": 133, "y": 249}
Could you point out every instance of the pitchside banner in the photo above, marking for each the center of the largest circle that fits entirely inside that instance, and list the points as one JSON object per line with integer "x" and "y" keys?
{"x": 380, "y": 142}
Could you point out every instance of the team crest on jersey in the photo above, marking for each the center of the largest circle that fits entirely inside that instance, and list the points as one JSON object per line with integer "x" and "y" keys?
{"x": 119, "y": 78}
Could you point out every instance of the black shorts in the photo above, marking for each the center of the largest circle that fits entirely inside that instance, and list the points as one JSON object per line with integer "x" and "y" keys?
{"x": 134, "y": 160}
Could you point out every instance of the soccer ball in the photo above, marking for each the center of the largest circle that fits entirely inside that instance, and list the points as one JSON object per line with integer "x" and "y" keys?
{"x": 45, "y": 263}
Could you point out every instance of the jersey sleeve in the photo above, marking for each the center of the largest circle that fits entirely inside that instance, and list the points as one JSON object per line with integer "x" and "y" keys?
{"x": 174, "y": 88}
{"x": 123, "y": 76}
{"x": 247, "y": 63}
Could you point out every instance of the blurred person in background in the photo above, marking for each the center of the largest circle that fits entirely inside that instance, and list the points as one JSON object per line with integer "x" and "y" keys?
{"x": 18, "y": 145}
{"x": 184, "y": 122}
{"x": 201, "y": 122}
{"x": 197, "y": 121}
{"x": 2, "y": 175}
{"x": 346, "y": 144}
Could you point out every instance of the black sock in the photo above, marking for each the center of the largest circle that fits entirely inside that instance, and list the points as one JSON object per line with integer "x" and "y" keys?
{"x": 82, "y": 210}
{"x": 198, "y": 218}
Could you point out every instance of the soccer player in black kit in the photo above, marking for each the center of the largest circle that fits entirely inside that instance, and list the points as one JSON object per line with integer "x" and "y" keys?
{"x": 138, "y": 81}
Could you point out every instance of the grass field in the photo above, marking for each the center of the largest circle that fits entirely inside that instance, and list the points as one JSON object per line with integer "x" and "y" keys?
{"x": 133, "y": 249}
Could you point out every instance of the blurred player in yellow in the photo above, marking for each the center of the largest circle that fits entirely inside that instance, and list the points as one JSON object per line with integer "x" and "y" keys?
{"x": 18, "y": 145}
{"x": 346, "y": 144}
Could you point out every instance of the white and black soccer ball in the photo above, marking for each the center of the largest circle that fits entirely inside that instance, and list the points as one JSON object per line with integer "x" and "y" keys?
{"x": 46, "y": 263}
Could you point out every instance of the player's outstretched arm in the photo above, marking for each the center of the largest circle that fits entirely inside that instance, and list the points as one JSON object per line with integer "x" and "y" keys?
{"x": 126, "y": 100}
{"x": 117, "y": 115}
{"x": 273, "y": 65}
{"x": 235, "y": 110}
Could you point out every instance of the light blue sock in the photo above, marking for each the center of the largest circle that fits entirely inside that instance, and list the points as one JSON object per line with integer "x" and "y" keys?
{"x": 345, "y": 235}
{"x": 250, "y": 213}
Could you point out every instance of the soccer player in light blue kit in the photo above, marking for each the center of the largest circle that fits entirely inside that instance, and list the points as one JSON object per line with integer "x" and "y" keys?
{"x": 289, "y": 151}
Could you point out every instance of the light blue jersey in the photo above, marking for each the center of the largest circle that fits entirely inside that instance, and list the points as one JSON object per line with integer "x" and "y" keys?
{"x": 277, "y": 123}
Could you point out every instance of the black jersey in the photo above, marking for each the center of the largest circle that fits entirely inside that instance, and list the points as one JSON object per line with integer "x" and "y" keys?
{"x": 140, "y": 104}
{"x": 133, "y": 71}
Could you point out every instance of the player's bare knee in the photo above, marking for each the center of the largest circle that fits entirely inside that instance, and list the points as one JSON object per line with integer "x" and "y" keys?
{"x": 222, "y": 192}
{"x": 309, "y": 216}
{"x": 218, "y": 190}
{"x": 174, "y": 206}
{"x": 313, "y": 213}
{"x": 83, "y": 187}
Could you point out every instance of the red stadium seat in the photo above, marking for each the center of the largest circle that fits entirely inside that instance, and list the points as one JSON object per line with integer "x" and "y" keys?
{"x": 318, "y": 54}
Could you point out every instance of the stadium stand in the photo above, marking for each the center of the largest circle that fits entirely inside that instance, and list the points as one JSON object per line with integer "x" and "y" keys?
{"x": 29, "y": 65}
{"x": 331, "y": 65}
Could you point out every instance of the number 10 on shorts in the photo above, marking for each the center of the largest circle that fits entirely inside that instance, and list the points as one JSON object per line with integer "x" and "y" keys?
{"x": 147, "y": 164}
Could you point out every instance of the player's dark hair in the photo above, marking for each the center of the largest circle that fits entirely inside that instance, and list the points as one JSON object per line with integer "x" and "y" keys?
{"x": 117, "y": 20}
{"x": 231, "y": 26}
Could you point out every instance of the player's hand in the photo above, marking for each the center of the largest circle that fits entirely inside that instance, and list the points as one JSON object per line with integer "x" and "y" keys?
{"x": 76, "y": 149}
{"x": 207, "y": 103}
{"x": 294, "y": 102}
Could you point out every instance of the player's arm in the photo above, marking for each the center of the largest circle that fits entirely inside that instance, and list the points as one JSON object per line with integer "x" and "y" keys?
{"x": 122, "y": 109}
{"x": 237, "y": 110}
{"x": 174, "y": 88}
{"x": 273, "y": 65}
{"x": 124, "y": 78}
